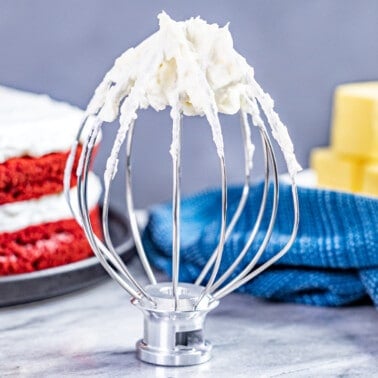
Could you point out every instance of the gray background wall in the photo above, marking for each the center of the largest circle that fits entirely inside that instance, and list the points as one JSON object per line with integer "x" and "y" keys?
{"x": 300, "y": 51}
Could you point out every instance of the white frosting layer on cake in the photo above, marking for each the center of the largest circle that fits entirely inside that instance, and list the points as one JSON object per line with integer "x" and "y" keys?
{"x": 35, "y": 125}
{"x": 50, "y": 208}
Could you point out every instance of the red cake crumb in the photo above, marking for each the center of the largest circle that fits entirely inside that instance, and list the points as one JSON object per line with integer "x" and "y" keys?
{"x": 28, "y": 178}
{"x": 45, "y": 246}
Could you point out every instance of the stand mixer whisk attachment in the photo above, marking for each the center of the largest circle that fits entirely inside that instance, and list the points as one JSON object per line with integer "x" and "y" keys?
{"x": 192, "y": 68}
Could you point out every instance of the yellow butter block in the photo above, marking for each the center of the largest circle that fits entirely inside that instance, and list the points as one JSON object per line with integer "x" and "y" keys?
{"x": 370, "y": 180}
{"x": 355, "y": 120}
{"x": 336, "y": 171}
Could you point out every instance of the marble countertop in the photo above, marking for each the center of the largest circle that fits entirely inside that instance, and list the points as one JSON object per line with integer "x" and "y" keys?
{"x": 92, "y": 333}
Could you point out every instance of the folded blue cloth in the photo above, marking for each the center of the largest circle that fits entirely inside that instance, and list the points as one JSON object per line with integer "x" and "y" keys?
{"x": 333, "y": 262}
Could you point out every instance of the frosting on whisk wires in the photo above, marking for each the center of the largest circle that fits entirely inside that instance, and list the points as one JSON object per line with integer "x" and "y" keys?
{"x": 192, "y": 67}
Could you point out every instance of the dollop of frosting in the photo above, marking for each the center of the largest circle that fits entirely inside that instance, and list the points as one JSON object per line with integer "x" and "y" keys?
{"x": 192, "y": 67}
{"x": 182, "y": 57}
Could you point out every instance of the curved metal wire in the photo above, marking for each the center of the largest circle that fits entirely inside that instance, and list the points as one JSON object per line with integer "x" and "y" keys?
{"x": 110, "y": 261}
{"x": 223, "y": 292}
{"x": 131, "y": 210}
{"x": 253, "y": 262}
{"x": 248, "y": 273}
{"x": 257, "y": 224}
{"x": 111, "y": 251}
{"x": 222, "y": 233}
{"x": 243, "y": 198}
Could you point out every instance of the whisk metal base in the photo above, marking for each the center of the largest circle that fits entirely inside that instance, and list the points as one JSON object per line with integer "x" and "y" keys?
{"x": 174, "y": 332}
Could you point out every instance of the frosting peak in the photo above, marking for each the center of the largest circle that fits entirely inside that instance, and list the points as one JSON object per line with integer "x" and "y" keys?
{"x": 186, "y": 59}
{"x": 192, "y": 67}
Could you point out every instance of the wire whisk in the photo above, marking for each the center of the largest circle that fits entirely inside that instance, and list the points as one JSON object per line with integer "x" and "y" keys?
{"x": 175, "y": 312}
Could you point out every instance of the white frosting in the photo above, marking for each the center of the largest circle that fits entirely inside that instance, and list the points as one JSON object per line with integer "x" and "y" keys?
{"x": 35, "y": 125}
{"x": 50, "y": 208}
{"x": 191, "y": 59}
{"x": 192, "y": 67}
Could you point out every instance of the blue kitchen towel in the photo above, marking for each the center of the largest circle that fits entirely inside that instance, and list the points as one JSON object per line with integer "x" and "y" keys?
{"x": 333, "y": 262}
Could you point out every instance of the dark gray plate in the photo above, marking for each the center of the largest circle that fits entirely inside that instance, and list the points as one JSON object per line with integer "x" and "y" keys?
{"x": 47, "y": 283}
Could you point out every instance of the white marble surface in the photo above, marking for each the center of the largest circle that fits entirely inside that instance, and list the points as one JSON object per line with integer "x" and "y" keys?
{"x": 92, "y": 334}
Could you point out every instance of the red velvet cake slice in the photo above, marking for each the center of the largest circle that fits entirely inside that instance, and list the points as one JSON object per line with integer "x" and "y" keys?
{"x": 26, "y": 178}
{"x": 41, "y": 233}
{"x": 37, "y": 230}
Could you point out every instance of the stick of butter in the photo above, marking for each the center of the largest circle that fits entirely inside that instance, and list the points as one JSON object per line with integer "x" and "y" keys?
{"x": 351, "y": 162}
{"x": 335, "y": 171}
{"x": 355, "y": 120}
